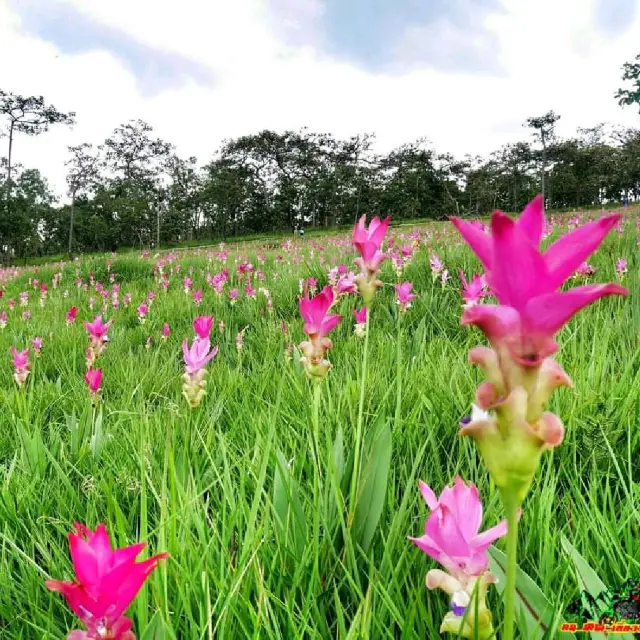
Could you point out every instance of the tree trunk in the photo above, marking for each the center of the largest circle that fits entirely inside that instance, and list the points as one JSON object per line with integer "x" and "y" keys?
{"x": 73, "y": 206}
{"x": 9, "y": 160}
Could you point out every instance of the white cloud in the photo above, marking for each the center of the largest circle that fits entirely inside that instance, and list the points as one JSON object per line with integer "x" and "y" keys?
{"x": 551, "y": 53}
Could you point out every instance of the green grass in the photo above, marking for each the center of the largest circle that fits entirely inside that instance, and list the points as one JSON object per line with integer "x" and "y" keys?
{"x": 255, "y": 526}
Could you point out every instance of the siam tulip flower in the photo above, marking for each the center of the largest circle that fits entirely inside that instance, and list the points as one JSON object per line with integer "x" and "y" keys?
{"x": 233, "y": 295}
{"x": 93, "y": 380}
{"x": 360, "y": 316}
{"x": 510, "y": 425}
{"x": 318, "y": 323}
{"x": 21, "y": 365}
{"x": 585, "y": 270}
{"x": 127, "y": 299}
{"x": 196, "y": 359}
{"x": 249, "y": 291}
{"x": 36, "y": 343}
{"x": 437, "y": 266}
{"x": 621, "y": 268}
{"x": 3, "y": 320}
{"x": 107, "y": 582}
{"x": 142, "y": 312}
{"x": 26, "y": 315}
{"x": 188, "y": 283}
{"x": 444, "y": 277}
{"x": 197, "y": 297}
{"x": 24, "y": 298}
{"x": 97, "y": 339}
{"x": 12, "y": 303}
{"x": 368, "y": 243}
{"x": 148, "y": 342}
{"x": 347, "y": 284}
{"x": 452, "y": 538}
{"x": 404, "y": 295}
{"x": 240, "y": 340}
{"x": 71, "y": 315}
{"x": 313, "y": 284}
{"x": 202, "y": 326}
{"x": 166, "y": 331}
{"x": 473, "y": 291}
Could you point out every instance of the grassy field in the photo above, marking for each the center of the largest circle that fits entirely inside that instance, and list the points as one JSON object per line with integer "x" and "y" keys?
{"x": 254, "y": 523}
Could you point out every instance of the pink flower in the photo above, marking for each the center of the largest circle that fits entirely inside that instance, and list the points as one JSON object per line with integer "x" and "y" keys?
{"x": 368, "y": 243}
{"x": 360, "y": 316}
{"x": 98, "y": 329}
{"x": 142, "y": 312}
{"x": 473, "y": 291}
{"x": 202, "y": 326}
{"x": 621, "y": 268}
{"x": 197, "y": 296}
{"x": 347, "y": 284}
{"x": 451, "y": 533}
{"x": 317, "y": 322}
{"x": 166, "y": 330}
{"x": 526, "y": 282}
{"x": 37, "y": 345}
{"x": 199, "y": 355}
{"x": 3, "y": 319}
{"x": 436, "y": 265}
{"x": 404, "y": 295}
{"x": 233, "y": 295}
{"x": 107, "y": 582}
{"x": 21, "y": 364}
{"x": 93, "y": 380}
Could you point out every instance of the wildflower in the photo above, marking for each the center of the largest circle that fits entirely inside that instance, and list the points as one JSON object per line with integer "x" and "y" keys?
{"x": 36, "y": 343}
{"x": 93, "y": 380}
{"x": 621, "y": 268}
{"x": 107, "y": 581}
{"x": 142, "y": 312}
{"x": 188, "y": 283}
{"x": 318, "y": 323}
{"x": 521, "y": 329}
{"x": 21, "y": 365}
{"x": 196, "y": 359}
{"x": 197, "y": 297}
{"x": 444, "y": 277}
{"x": 97, "y": 339}
{"x": 26, "y": 315}
{"x": 233, "y": 295}
{"x": 3, "y": 320}
{"x": 368, "y": 243}
{"x": 202, "y": 326}
{"x": 404, "y": 295}
{"x": 452, "y": 538}
{"x": 240, "y": 340}
{"x": 473, "y": 291}
{"x": 71, "y": 315}
{"x": 166, "y": 331}
{"x": 437, "y": 266}
{"x": 360, "y": 317}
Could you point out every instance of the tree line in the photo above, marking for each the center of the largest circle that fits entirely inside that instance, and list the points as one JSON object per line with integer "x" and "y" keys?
{"x": 133, "y": 190}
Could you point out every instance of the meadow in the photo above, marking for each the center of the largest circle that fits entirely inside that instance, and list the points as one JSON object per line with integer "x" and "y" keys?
{"x": 249, "y": 492}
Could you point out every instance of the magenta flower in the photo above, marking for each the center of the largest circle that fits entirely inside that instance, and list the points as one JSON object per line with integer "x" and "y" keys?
{"x": 202, "y": 326}
{"x": 436, "y": 265}
{"x": 368, "y": 243}
{"x": 107, "y": 582}
{"x": 98, "y": 329}
{"x": 197, "y": 296}
{"x": 473, "y": 291}
{"x": 166, "y": 330}
{"x": 526, "y": 282}
{"x": 93, "y": 380}
{"x": 21, "y": 365}
{"x": 360, "y": 315}
{"x": 404, "y": 295}
{"x": 317, "y": 322}
{"x": 3, "y": 319}
{"x": 451, "y": 533}
{"x": 196, "y": 359}
{"x": 142, "y": 312}
{"x": 621, "y": 268}
{"x": 37, "y": 345}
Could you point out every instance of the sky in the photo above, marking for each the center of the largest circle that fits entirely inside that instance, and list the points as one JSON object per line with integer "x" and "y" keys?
{"x": 464, "y": 74}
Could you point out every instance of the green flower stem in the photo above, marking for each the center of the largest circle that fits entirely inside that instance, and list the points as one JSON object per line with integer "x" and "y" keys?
{"x": 511, "y": 505}
{"x": 355, "y": 477}
{"x": 398, "y": 370}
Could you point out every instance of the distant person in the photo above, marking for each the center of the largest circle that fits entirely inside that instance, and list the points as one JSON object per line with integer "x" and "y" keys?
{"x": 625, "y": 201}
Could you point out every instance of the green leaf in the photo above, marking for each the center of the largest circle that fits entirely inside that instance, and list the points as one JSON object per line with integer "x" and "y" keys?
{"x": 589, "y": 581}
{"x": 373, "y": 488}
{"x": 291, "y": 524}
{"x": 533, "y": 610}
{"x": 338, "y": 455}
{"x": 156, "y": 629}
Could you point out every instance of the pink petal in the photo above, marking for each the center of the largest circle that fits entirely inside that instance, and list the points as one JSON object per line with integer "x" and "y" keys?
{"x": 566, "y": 254}
{"x": 478, "y": 240}
{"x": 428, "y": 546}
{"x": 85, "y": 562}
{"x": 126, "y": 555}
{"x": 547, "y": 314}
{"x": 377, "y": 230}
{"x": 329, "y": 323}
{"x": 360, "y": 231}
{"x": 531, "y": 221}
{"x": 519, "y": 271}
{"x": 468, "y": 507}
{"x": 442, "y": 527}
{"x": 428, "y": 495}
{"x": 496, "y": 322}
{"x": 485, "y": 539}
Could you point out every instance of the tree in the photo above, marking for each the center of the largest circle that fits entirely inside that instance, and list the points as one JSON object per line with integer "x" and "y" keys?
{"x": 31, "y": 116}
{"x": 545, "y": 128}
{"x": 82, "y": 174}
{"x": 630, "y": 73}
